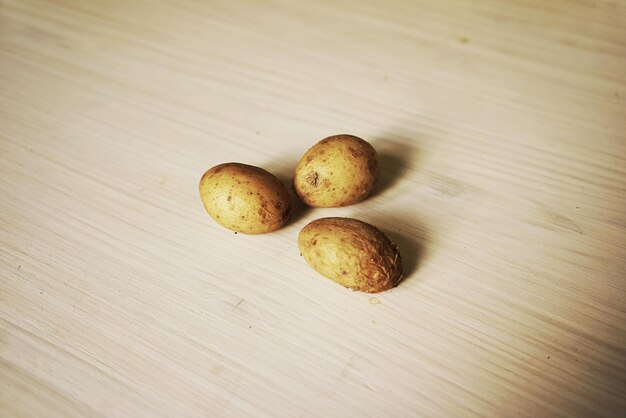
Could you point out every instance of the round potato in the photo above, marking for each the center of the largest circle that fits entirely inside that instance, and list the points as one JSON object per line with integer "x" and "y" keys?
{"x": 337, "y": 171}
{"x": 244, "y": 198}
{"x": 352, "y": 253}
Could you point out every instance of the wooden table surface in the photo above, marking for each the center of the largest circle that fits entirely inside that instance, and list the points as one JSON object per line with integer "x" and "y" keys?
{"x": 501, "y": 128}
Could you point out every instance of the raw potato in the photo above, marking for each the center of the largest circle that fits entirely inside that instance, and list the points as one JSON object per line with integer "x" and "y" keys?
{"x": 337, "y": 171}
{"x": 244, "y": 198}
{"x": 354, "y": 254}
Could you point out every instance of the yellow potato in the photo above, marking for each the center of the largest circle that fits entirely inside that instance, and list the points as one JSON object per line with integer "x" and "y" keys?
{"x": 244, "y": 198}
{"x": 337, "y": 171}
{"x": 352, "y": 253}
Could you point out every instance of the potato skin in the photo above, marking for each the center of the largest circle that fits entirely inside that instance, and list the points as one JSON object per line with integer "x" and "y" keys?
{"x": 245, "y": 198}
{"x": 337, "y": 171}
{"x": 352, "y": 253}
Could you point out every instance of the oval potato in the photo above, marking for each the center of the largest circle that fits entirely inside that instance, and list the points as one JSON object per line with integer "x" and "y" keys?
{"x": 245, "y": 198}
{"x": 337, "y": 171}
{"x": 352, "y": 253}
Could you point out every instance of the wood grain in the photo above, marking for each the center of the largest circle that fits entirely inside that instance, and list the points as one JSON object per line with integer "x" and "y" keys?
{"x": 502, "y": 131}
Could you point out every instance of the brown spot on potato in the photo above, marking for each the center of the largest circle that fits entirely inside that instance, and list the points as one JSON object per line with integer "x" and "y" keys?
{"x": 356, "y": 153}
{"x": 312, "y": 178}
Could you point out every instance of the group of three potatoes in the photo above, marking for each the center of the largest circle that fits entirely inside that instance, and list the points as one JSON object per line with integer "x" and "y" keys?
{"x": 338, "y": 171}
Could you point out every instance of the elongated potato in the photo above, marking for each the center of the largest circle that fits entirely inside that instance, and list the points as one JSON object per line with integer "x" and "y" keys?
{"x": 353, "y": 253}
{"x": 244, "y": 198}
{"x": 337, "y": 171}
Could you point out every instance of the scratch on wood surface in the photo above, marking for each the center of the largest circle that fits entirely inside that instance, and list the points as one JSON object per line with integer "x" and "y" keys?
{"x": 237, "y": 305}
{"x": 554, "y": 219}
{"x": 566, "y": 223}
{"x": 448, "y": 186}
{"x": 344, "y": 371}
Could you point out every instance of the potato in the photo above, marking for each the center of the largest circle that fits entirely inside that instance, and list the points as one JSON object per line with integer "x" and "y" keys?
{"x": 337, "y": 171}
{"x": 244, "y": 198}
{"x": 354, "y": 254}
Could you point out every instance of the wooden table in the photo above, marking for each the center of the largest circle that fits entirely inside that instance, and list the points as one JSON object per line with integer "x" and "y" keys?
{"x": 501, "y": 128}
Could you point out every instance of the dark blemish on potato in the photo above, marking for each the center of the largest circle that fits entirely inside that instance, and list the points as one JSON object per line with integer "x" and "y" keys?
{"x": 229, "y": 198}
{"x": 235, "y": 232}
{"x": 309, "y": 158}
{"x": 326, "y": 183}
{"x": 314, "y": 242}
{"x": 278, "y": 204}
{"x": 250, "y": 193}
{"x": 373, "y": 167}
{"x": 355, "y": 152}
{"x": 343, "y": 272}
{"x": 312, "y": 178}
{"x": 463, "y": 39}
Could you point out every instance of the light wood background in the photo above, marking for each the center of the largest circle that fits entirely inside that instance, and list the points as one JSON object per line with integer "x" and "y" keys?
{"x": 502, "y": 131}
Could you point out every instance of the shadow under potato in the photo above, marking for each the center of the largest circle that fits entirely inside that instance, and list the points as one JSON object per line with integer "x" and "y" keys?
{"x": 395, "y": 157}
